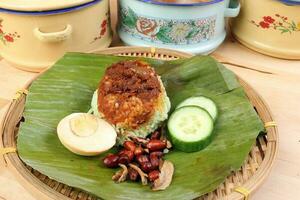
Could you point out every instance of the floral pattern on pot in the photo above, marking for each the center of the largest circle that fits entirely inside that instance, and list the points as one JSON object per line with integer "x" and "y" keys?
{"x": 167, "y": 31}
{"x": 7, "y": 37}
{"x": 103, "y": 28}
{"x": 278, "y": 22}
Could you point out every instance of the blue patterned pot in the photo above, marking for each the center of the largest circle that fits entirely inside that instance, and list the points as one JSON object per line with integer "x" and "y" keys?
{"x": 196, "y": 27}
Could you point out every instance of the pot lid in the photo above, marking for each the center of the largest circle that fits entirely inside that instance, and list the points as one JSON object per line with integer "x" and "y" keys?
{"x": 182, "y": 2}
{"x": 40, "y": 5}
{"x": 291, "y": 2}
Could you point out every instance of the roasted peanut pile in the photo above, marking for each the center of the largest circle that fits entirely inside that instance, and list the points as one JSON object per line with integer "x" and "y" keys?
{"x": 140, "y": 159}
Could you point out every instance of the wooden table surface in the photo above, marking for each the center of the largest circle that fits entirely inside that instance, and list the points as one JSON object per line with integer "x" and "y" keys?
{"x": 276, "y": 80}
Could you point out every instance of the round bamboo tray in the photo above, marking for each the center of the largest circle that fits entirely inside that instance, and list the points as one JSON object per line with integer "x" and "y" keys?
{"x": 249, "y": 177}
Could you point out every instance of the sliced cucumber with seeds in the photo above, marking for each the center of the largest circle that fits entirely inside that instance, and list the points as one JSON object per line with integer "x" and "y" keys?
{"x": 190, "y": 128}
{"x": 202, "y": 102}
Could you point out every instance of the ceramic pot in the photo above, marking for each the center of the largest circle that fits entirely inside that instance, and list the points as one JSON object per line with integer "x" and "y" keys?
{"x": 191, "y": 27}
{"x": 273, "y": 29}
{"x": 33, "y": 40}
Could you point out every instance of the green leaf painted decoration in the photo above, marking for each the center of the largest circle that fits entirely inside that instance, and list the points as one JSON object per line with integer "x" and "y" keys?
{"x": 129, "y": 19}
{"x": 162, "y": 34}
{"x": 192, "y": 33}
{"x": 68, "y": 87}
{"x": 284, "y": 30}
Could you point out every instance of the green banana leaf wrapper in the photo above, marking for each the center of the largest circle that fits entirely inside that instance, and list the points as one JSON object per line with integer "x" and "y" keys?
{"x": 68, "y": 87}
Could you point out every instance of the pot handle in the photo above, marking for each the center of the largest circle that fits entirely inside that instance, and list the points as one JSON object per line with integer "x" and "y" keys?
{"x": 234, "y": 9}
{"x": 53, "y": 36}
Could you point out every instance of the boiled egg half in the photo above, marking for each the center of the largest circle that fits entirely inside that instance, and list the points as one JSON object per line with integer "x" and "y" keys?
{"x": 85, "y": 134}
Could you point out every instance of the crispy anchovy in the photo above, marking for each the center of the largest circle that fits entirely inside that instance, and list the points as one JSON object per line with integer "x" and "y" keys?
{"x": 141, "y": 173}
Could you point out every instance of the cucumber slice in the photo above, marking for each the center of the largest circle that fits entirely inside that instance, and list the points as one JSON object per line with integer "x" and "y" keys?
{"x": 202, "y": 102}
{"x": 190, "y": 128}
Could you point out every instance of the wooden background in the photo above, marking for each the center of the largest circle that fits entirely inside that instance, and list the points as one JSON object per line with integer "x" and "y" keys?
{"x": 276, "y": 80}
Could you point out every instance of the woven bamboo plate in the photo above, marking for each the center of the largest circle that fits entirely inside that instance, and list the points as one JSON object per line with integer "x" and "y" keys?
{"x": 248, "y": 178}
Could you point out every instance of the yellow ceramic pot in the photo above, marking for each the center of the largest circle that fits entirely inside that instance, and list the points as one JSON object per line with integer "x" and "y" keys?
{"x": 270, "y": 27}
{"x": 33, "y": 40}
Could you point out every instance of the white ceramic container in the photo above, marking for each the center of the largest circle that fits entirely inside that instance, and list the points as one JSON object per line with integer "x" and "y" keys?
{"x": 191, "y": 27}
{"x": 34, "y": 34}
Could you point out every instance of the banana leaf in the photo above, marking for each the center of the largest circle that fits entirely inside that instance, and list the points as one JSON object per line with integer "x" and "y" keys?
{"x": 68, "y": 87}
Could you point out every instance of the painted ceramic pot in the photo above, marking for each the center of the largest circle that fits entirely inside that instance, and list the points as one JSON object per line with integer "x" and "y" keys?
{"x": 273, "y": 29}
{"x": 34, "y": 35}
{"x": 192, "y": 27}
